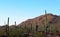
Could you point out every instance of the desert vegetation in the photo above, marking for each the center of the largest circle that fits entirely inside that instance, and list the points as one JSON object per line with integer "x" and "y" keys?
{"x": 33, "y": 28}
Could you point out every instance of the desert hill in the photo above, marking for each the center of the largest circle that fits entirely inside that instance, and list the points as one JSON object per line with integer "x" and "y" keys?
{"x": 48, "y": 20}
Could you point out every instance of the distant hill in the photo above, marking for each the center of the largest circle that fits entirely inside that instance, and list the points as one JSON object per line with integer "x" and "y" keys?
{"x": 53, "y": 21}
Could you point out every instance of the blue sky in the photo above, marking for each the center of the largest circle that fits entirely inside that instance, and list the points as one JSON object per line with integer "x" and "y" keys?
{"x": 21, "y": 10}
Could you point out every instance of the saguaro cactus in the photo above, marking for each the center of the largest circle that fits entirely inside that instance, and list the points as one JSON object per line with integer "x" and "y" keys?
{"x": 46, "y": 23}
{"x": 7, "y": 28}
{"x": 31, "y": 27}
{"x": 15, "y": 25}
{"x": 25, "y": 26}
{"x": 36, "y": 28}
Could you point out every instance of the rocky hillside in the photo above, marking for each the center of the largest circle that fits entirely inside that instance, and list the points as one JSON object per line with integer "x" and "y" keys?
{"x": 52, "y": 21}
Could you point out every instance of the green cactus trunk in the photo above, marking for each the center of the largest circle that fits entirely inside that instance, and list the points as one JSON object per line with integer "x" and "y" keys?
{"x": 7, "y": 28}
{"x": 31, "y": 27}
{"x": 36, "y": 28}
{"x": 15, "y": 25}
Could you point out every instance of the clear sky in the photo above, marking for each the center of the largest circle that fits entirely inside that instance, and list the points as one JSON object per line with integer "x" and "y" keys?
{"x": 20, "y": 10}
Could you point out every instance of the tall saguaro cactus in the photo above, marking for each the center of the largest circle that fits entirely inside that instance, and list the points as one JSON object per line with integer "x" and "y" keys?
{"x": 7, "y": 28}
{"x": 15, "y": 25}
{"x": 46, "y": 23}
{"x": 25, "y": 26}
{"x": 36, "y": 28}
{"x": 31, "y": 27}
